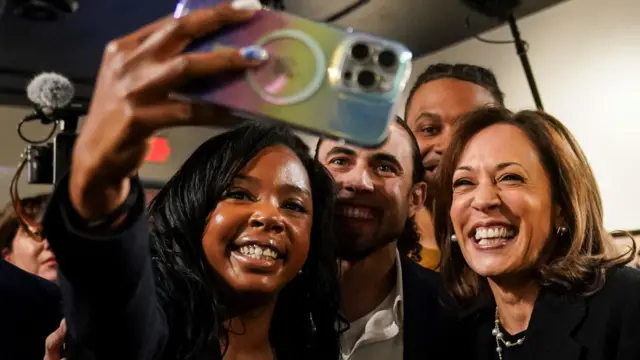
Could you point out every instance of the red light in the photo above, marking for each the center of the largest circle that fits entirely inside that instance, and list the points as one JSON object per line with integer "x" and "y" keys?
{"x": 159, "y": 151}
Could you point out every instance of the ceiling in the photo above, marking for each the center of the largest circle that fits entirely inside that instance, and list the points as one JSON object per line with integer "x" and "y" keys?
{"x": 73, "y": 45}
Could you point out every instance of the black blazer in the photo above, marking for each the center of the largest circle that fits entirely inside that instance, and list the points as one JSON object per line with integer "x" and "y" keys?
{"x": 604, "y": 326}
{"x": 30, "y": 310}
{"x": 429, "y": 320}
{"x": 107, "y": 283}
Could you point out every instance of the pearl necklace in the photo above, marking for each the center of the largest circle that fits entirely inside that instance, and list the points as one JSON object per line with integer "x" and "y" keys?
{"x": 500, "y": 337}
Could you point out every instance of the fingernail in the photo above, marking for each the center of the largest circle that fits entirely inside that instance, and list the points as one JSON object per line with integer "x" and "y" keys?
{"x": 254, "y": 53}
{"x": 246, "y": 5}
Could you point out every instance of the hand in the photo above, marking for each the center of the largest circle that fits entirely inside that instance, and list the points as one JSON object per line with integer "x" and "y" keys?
{"x": 55, "y": 342}
{"x": 131, "y": 101}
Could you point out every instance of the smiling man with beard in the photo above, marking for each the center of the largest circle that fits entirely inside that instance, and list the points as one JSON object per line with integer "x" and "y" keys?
{"x": 391, "y": 303}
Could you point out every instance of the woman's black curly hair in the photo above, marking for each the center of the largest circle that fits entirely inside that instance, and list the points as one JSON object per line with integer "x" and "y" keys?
{"x": 306, "y": 323}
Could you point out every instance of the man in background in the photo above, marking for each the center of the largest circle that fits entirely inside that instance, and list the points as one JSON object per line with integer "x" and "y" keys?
{"x": 440, "y": 95}
{"x": 391, "y": 303}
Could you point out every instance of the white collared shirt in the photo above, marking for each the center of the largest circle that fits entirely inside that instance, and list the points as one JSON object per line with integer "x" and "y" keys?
{"x": 377, "y": 335}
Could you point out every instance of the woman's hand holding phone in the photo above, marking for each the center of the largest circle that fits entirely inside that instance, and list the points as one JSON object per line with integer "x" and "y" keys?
{"x": 132, "y": 100}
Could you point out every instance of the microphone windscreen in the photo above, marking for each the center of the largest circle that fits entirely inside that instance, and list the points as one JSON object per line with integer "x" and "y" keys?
{"x": 50, "y": 91}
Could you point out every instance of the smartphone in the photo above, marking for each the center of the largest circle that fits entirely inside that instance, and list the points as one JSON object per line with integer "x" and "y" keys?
{"x": 319, "y": 78}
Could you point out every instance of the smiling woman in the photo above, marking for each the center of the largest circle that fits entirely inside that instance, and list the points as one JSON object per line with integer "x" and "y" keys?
{"x": 519, "y": 222}
{"x": 253, "y": 242}
{"x": 242, "y": 258}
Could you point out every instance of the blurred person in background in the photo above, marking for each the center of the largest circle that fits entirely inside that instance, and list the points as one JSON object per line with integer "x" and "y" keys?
{"x": 29, "y": 296}
{"x": 519, "y": 221}
{"x": 19, "y": 247}
{"x": 440, "y": 95}
{"x": 30, "y": 310}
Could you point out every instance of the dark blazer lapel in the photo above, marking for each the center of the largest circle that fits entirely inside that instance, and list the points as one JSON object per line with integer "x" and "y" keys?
{"x": 416, "y": 312}
{"x": 554, "y": 318}
{"x": 474, "y": 328}
{"x": 426, "y": 326}
{"x": 484, "y": 346}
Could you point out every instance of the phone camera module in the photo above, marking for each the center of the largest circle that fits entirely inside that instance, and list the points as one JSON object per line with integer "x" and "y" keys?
{"x": 387, "y": 59}
{"x": 347, "y": 76}
{"x": 360, "y": 51}
{"x": 367, "y": 79}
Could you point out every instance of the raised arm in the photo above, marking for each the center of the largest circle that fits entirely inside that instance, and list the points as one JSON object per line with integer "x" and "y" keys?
{"x": 107, "y": 281}
{"x": 95, "y": 221}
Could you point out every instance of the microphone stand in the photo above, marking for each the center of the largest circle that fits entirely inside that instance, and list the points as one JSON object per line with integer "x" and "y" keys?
{"x": 524, "y": 59}
{"x": 64, "y": 141}
{"x": 70, "y": 117}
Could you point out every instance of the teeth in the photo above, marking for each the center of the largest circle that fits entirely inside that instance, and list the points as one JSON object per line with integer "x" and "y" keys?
{"x": 355, "y": 212}
{"x": 258, "y": 252}
{"x": 488, "y": 242}
{"x": 493, "y": 233}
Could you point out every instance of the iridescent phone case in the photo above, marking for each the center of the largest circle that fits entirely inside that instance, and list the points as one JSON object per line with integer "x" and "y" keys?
{"x": 319, "y": 78}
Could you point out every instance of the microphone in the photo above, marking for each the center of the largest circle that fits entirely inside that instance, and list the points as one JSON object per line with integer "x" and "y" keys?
{"x": 52, "y": 95}
{"x": 50, "y": 91}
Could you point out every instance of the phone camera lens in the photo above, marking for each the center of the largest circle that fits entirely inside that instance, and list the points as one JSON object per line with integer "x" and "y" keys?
{"x": 360, "y": 51}
{"x": 367, "y": 79}
{"x": 387, "y": 59}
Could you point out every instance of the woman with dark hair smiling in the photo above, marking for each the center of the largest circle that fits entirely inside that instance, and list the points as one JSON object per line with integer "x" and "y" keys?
{"x": 255, "y": 250}
{"x": 520, "y": 225}
{"x": 236, "y": 259}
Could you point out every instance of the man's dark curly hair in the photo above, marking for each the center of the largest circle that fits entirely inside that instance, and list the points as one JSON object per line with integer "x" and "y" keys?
{"x": 465, "y": 72}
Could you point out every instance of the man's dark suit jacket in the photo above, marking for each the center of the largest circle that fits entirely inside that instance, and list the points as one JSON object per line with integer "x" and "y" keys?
{"x": 30, "y": 310}
{"x": 604, "y": 326}
{"x": 428, "y": 317}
